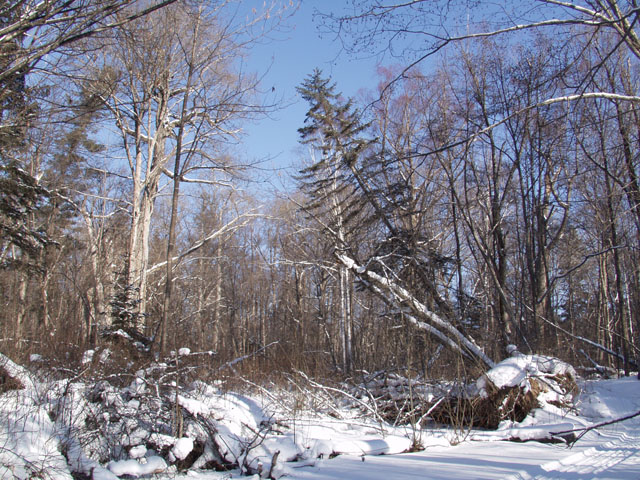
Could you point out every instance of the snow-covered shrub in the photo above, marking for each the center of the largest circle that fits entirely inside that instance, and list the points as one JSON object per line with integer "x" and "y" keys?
{"x": 155, "y": 413}
{"x": 148, "y": 419}
{"x": 29, "y": 441}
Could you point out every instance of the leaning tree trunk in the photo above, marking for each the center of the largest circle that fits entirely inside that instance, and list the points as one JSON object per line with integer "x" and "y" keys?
{"x": 417, "y": 313}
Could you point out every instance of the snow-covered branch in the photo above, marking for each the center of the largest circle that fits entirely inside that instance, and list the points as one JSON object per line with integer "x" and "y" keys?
{"x": 584, "y": 430}
{"x": 429, "y": 321}
{"x": 238, "y": 222}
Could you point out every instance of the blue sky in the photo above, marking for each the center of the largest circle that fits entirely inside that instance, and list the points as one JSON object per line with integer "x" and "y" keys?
{"x": 292, "y": 55}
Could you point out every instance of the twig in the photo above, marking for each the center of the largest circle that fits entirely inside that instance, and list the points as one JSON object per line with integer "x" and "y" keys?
{"x": 273, "y": 463}
{"x": 231, "y": 363}
{"x": 346, "y": 394}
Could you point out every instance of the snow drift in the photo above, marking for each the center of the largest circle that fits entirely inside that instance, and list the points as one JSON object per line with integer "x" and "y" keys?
{"x": 152, "y": 423}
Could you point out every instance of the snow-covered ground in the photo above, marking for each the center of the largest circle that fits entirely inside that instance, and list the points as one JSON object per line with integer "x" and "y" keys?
{"x": 612, "y": 452}
{"x": 48, "y": 430}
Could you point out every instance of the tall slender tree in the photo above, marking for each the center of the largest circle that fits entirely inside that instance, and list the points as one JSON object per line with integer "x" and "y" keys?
{"x": 334, "y": 135}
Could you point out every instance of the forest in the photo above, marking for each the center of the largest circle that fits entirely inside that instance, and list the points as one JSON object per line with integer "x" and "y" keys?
{"x": 483, "y": 199}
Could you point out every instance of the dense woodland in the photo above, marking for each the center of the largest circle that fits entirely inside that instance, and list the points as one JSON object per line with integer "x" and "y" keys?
{"x": 486, "y": 194}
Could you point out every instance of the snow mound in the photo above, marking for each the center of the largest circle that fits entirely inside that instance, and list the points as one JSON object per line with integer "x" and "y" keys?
{"x": 182, "y": 448}
{"x": 517, "y": 370}
{"x": 136, "y": 469}
{"x": 138, "y": 451}
{"x": 607, "y": 399}
{"x": 29, "y": 441}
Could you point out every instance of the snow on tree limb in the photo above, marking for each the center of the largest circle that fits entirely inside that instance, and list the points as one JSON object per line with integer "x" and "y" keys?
{"x": 597, "y": 345}
{"x": 432, "y": 322}
{"x": 233, "y": 362}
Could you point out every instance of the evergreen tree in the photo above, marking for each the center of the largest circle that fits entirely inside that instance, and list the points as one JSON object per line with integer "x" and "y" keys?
{"x": 333, "y": 132}
{"x": 352, "y": 175}
{"x": 21, "y": 193}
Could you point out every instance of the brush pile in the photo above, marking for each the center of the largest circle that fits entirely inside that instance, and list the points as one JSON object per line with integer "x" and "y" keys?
{"x": 511, "y": 391}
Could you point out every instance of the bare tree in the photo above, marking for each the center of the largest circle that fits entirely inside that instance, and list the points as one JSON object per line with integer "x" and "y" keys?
{"x": 175, "y": 91}
{"x": 519, "y": 135}
{"x": 418, "y": 30}
{"x": 215, "y": 96}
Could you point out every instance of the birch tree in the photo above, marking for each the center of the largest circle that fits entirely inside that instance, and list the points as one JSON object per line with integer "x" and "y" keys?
{"x": 171, "y": 86}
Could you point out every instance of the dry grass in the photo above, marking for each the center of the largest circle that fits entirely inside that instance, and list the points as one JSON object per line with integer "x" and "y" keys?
{"x": 7, "y": 382}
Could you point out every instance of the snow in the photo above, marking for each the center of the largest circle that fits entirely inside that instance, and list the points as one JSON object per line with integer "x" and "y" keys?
{"x": 372, "y": 445}
{"x": 193, "y": 406}
{"x": 182, "y": 448}
{"x": 87, "y": 356}
{"x": 137, "y": 386}
{"x": 103, "y": 474}
{"x": 516, "y": 370}
{"x": 138, "y": 451}
{"x": 161, "y": 440}
{"x": 263, "y": 436}
{"x": 123, "y": 334}
{"x": 29, "y": 445}
{"x": 104, "y": 355}
{"x": 610, "y": 453}
{"x": 136, "y": 469}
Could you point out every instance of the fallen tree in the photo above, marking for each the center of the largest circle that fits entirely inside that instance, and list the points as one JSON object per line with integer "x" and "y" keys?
{"x": 511, "y": 391}
{"x": 571, "y": 434}
{"x": 417, "y": 312}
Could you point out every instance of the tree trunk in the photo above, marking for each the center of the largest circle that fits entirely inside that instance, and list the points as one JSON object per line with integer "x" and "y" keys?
{"x": 418, "y": 314}
{"x": 21, "y": 314}
{"x": 620, "y": 322}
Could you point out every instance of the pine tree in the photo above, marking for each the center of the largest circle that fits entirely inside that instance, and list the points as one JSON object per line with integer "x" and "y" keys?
{"x": 333, "y": 132}
{"x": 21, "y": 193}
{"x": 351, "y": 176}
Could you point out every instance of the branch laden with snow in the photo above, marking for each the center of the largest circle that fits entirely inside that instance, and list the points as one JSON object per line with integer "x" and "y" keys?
{"x": 420, "y": 316}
